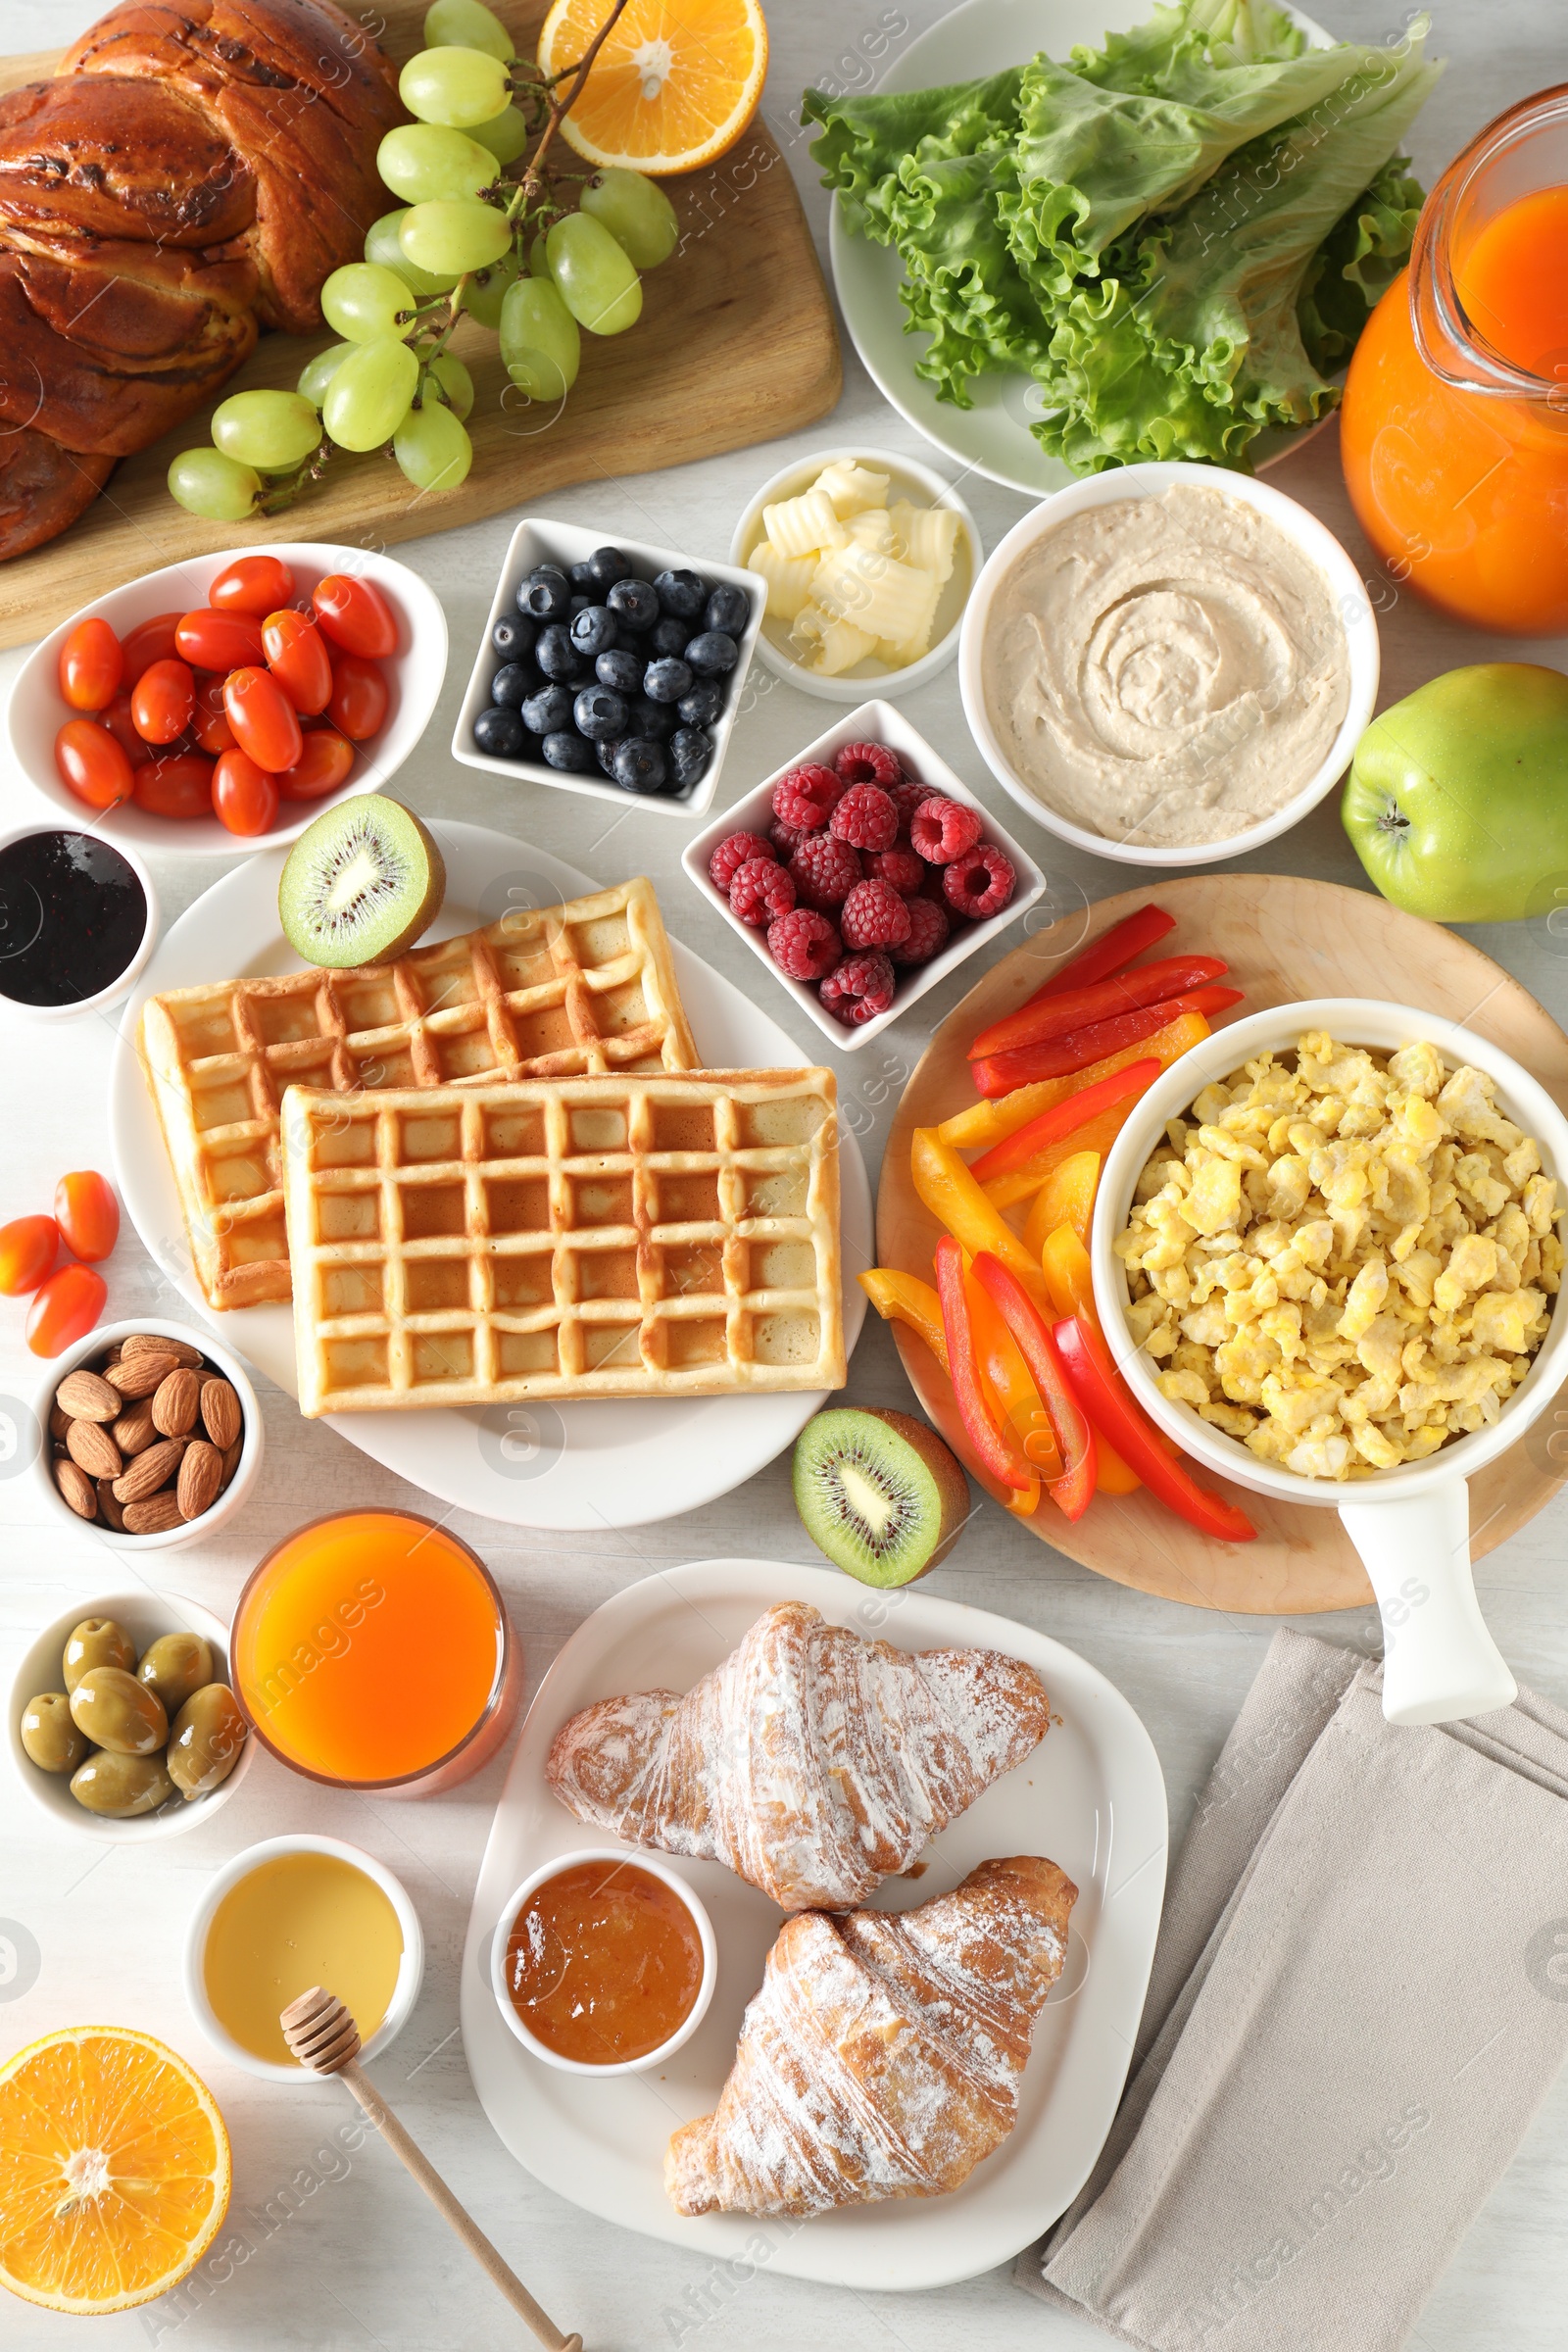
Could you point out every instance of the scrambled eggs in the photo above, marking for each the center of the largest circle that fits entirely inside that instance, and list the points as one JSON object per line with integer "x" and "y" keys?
{"x": 1345, "y": 1262}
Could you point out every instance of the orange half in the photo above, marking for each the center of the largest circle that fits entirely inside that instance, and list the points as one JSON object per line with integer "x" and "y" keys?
{"x": 117, "y": 2172}
{"x": 673, "y": 87}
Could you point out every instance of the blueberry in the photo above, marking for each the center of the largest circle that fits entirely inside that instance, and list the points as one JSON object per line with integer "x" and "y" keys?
{"x": 605, "y": 566}
{"x": 501, "y": 733}
{"x": 690, "y": 752}
{"x": 634, "y": 603}
{"x": 579, "y": 603}
{"x": 555, "y": 652}
{"x": 605, "y": 753}
{"x": 593, "y": 630}
{"x": 544, "y": 595}
{"x": 570, "y": 751}
{"x": 728, "y": 611}
{"x": 599, "y": 713}
{"x": 655, "y": 720}
{"x": 711, "y": 654}
{"x": 639, "y": 765}
{"x": 513, "y": 685}
{"x": 548, "y": 571}
{"x": 669, "y": 636}
{"x": 547, "y": 712}
{"x": 582, "y": 575}
{"x": 621, "y": 668}
{"x": 512, "y": 637}
{"x": 665, "y": 681}
{"x": 704, "y": 704}
{"x": 681, "y": 593}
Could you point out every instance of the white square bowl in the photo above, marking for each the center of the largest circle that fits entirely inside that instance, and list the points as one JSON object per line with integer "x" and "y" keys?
{"x": 872, "y": 722}
{"x": 538, "y": 540}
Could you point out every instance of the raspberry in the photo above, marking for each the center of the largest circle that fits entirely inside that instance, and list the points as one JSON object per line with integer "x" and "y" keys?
{"x": 731, "y": 854}
{"x": 902, "y": 868}
{"x": 761, "y": 889}
{"x": 980, "y": 882}
{"x": 941, "y": 830}
{"x": 783, "y": 838}
{"x": 858, "y": 990}
{"x": 867, "y": 817}
{"x": 803, "y": 943}
{"x": 807, "y": 797}
{"x": 824, "y": 871}
{"x": 928, "y": 930}
{"x": 906, "y": 797}
{"x": 874, "y": 916}
{"x": 868, "y": 764}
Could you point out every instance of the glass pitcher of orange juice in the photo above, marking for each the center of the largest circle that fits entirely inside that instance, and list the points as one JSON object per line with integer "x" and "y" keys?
{"x": 1455, "y": 425}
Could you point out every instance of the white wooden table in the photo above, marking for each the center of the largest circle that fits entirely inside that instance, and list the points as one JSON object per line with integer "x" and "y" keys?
{"x": 338, "y": 2251}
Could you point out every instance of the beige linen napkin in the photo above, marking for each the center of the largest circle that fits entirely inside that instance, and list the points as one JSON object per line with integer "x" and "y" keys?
{"x": 1359, "y": 1997}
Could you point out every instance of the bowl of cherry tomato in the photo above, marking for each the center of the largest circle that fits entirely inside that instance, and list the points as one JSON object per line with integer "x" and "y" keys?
{"x": 230, "y": 697}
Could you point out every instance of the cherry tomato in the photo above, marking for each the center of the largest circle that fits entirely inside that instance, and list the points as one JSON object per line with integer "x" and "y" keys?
{"x": 244, "y": 796}
{"x": 356, "y": 616}
{"x": 253, "y": 584}
{"x": 115, "y": 715}
{"x": 321, "y": 767}
{"x": 90, "y": 763}
{"x": 28, "y": 1247}
{"x": 149, "y": 642}
{"x": 264, "y": 722}
{"x": 210, "y": 725}
{"x": 87, "y": 1213}
{"x": 359, "y": 697}
{"x": 92, "y": 665}
{"x": 162, "y": 701}
{"x": 177, "y": 786}
{"x": 222, "y": 641}
{"x": 297, "y": 657}
{"x": 65, "y": 1309}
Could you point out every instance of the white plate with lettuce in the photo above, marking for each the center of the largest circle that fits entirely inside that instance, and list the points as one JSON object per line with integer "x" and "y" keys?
{"x": 1162, "y": 245}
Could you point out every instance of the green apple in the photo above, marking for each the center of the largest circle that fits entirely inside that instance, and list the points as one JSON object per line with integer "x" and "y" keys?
{"x": 1458, "y": 798}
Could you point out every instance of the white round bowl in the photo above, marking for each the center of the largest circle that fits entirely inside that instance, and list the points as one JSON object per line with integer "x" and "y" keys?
{"x": 89, "y": 822}
{"x": 246, "y": 1468}
{"x": 145, "y": 1615}
{"x": 923, "y": 486}
{"x": 411, "y": 1969}
{"x": 657, "y": 1868}
{"x": 36, "y": 711}
{"x": 1349, "y": 590}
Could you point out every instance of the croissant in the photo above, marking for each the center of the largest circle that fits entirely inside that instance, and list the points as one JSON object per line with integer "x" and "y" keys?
{"x": 812, "y": 1762}
{"x": 882, "y": 2056}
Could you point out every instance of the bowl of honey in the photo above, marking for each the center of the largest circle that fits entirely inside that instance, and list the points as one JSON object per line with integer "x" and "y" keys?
{"x": 372, "y": 1650}
{"x": 604, "y": 1962}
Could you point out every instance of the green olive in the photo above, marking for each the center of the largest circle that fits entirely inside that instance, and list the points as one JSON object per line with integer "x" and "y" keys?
{"x": 117, "y": 1711}
{"x": 205, "y": 1743}
{"x": 49, "y": 1735}
{"x": 121, "y": 1785}
{"x": 174, "y": 1667}
{"x": 97, "y": 1641}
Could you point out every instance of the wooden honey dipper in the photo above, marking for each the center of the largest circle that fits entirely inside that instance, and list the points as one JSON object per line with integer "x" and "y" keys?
{"x": 323, "y": 2036}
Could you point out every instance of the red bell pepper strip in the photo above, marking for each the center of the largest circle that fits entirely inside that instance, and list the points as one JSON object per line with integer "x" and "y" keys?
{"x": 1080, "y": 1007}
{"x": 1112, "y": 952}
{"x": 1074, "y": 1491}
{"x": 992, "y": 1447}
{"x": 1054, "y": 1126}
{"x": 1105, "y": 1399}
{"x": 997, "y": 1074}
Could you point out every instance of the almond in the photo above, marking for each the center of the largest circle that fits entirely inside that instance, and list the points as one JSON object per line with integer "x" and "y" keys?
{"x": 150, "y": 1471}
{"x": 113, "y": 1357}
{"x": 175, "y": 1402}
{"x": 76, "y": 1487}
{"x": 133, "y": 1432}
{"x": 140, "y": 1375}
{"x": 109, "y": 1505}
{"x": 86, "y": 1398}
{"x": 59, "y": 1423}
{"x": 154, "y": 1516}
{"x": 93, "y": 1449}
{"x": 200, "y": 1475}
{"x": 231, "y": 1457}
{"x": 221, "y": 1415}
{"x": 149, "y": 1342}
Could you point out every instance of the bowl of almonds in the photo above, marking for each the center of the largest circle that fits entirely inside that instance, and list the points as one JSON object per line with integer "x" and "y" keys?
{"x": 153, "y": 1435}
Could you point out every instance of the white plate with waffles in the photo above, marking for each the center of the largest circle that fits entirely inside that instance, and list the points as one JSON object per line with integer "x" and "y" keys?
{"x": 584, "y": 1466}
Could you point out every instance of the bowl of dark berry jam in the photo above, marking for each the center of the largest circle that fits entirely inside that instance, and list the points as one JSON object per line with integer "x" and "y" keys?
{"x": 78, "y": 918}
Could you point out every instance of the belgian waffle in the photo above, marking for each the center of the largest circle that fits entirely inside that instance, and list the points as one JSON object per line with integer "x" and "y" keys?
{"x": 552, "y": 992}
{"x": 565, "y": 1238}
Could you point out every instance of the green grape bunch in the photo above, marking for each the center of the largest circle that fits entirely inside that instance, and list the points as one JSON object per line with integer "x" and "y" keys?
{"x": 478, "y": 231}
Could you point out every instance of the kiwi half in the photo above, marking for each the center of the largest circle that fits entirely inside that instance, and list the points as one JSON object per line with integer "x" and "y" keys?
{"x": 361, "y": 884}
{"x": 878, "y": 1492}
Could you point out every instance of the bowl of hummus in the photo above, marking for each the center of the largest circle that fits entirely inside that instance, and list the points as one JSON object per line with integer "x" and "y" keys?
{"x": 1168, "y": 664}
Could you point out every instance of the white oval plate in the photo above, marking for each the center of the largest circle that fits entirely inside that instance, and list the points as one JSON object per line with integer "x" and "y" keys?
{"x": 1091, "y": 1797}
{"x": 609, "y": 1463}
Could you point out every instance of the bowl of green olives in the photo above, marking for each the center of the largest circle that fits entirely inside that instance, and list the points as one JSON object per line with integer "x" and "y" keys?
{"x": 121, "y": 1723}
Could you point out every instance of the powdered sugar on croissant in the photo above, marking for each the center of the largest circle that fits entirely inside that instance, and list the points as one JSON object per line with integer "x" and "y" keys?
{"x": 814, "y": 1763}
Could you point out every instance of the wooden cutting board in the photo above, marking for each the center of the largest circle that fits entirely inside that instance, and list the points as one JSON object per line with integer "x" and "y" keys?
{"x": 736, "y": 344}
{"x": 1284, "y": 940}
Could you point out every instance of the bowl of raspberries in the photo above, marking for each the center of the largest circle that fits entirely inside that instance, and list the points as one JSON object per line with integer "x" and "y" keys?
{"x": 862, "y": 872}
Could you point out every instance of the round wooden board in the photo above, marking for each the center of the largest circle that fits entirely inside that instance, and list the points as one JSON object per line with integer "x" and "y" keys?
{"x": 1284, "y": 938}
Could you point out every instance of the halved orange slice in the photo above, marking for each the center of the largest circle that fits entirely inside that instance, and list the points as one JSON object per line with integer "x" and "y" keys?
{"x": 117, "y": 2172}
{"x": 673, "y": 87}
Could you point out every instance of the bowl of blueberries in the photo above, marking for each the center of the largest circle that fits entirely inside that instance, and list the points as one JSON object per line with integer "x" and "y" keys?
{"x": 610, "y": 669}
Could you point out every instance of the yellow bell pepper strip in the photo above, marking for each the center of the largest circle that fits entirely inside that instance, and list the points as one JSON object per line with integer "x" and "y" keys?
{"x": 1065, "y": 1262}
{"x": 906, "y": 1298}
{"x": 1094, "y": 1134}
{"x": 1074, "y": 1490}
{"x": 1005, "y": 1376}
{"x": 1066, "y": 1197}
{"x": 1054, "y": 1126}
{"x": 1108, "y": 1403}
{"x": 986, "y": 1123}
{"x": 993, "y": 1449}
{"x": 955, "y": 1201}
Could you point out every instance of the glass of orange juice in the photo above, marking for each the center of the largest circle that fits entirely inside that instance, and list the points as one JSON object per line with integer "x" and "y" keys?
{"x": 372, "y": 1651}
